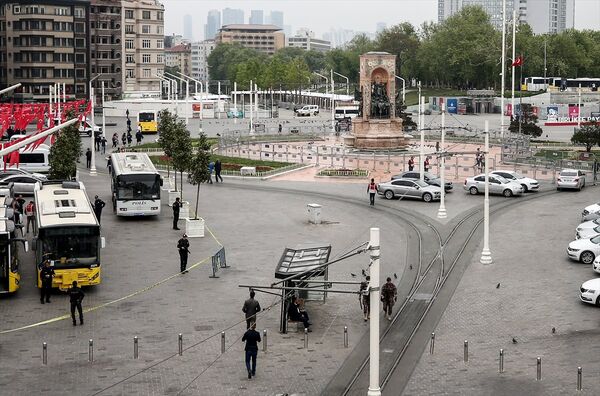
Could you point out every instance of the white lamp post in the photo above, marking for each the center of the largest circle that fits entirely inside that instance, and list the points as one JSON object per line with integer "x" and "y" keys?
{"x": 11, "y": 88}
{"x": 251, "y": 124}
{"x": 347, "y": 82}
{"x": 187, "y": 95}
{"x": 442, "y": 210}
{"x": 422, "y": 148}
{"x": 503, "y": 68}
{"x": 403, "y": 88}
{"x": 374, "y": 389}
{"x": 332, "y": 103}
{"x": 103, "y": 115}
{"x": 512, "y": 92}
{"x": 93, "y": 124}
{"x": 579, "y": 106}
{"x": 197, "y": 82}
{"x": 486, "y": 254}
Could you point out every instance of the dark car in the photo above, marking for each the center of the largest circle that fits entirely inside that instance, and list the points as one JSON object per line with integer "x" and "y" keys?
{"x": 428, "y": 178}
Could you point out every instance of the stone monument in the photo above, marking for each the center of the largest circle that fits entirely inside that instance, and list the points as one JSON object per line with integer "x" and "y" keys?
{"x": 377, "y": 126}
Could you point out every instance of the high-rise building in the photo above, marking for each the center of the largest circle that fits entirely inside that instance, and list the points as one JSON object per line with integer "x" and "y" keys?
{"x": 43, "y": 42}
{"x": 187, "y": 27}
{"x": 263, "y": 38}
{"x": 256, "y": 17}
{"x": 276, "y": 19}
{"x": 232, "y": 16}
{"x": 213, "y": 24}
{"x": 200, "y": 52}
{"x": 544, "y": 16}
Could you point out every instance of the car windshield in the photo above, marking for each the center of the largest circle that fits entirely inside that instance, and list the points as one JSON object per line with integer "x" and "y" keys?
{"x": 517, "y": 176}
{"x": 138, "y": 187}
{"x": 501, "y": 179}
{"x": 597, "y": 221}
{"x": 595, "y": 239}
{"x": 421, "y": 183}
{"x": 566, "y": 173}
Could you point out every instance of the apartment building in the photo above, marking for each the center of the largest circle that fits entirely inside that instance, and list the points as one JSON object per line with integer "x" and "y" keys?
{"x": 263, "y": 38}
{"x": 179, "y": 56}
{"x": 106, "y": 48}
{"x": 306, "y": 40}
{"x": 200, "y": 52}
{"x": 143, "y": 22}
{"x": 42, "y": 43}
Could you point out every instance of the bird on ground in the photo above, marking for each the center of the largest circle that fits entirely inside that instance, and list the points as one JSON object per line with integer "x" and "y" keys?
{"x": 553, "y": 330}
{"x": 498, "y": 286}
{"x": 410, "y": 267}
{"x": 395, "y": 276}
{"x": 514, "y": 340}
{"x": 353, "y": 275}
{"x": 363, "y": 272}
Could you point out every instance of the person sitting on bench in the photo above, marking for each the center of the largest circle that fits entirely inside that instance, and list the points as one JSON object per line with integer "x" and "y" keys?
{"x": 295, "y": 315}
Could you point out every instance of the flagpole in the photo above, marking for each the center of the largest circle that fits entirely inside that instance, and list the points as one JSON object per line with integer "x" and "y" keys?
{"x": 520, "y": 94}
{"x": 514, "y": 31}
{"x": 503, "y": 68}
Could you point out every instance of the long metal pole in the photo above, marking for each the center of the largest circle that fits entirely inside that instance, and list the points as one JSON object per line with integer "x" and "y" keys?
{"x": 503, "y": 68}
{"x": 374, "y": 389}
{"x": 103, "y": 114}
{"x": 235, "y": 102}
{"x": 347, "y": 82}
{"x": 37, "y": 136}
{"x": 403, "y": 88}
{"x": 11, "y": 88}
{"x": 58, "y": 100}
{"x": 187, "y": 101}
{"x": 332, "y": 103}
{"x": 486, "y": 254}
{"x": 579, "y": 106}
{"x": 442, "y": 210}
{"x": 251, "y": 121}
{"x": 92, "y": 137}
{"x": 514, "y": 35}
{"x": 422, "y": 147}
{"x": 50, "y": 118}
{"x": 256, "y": 101}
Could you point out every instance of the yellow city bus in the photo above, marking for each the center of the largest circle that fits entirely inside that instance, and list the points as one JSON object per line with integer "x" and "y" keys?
{"x": 10, "y": 278}
{"x": 68, "y": 234}
{"x": 148, "y": 121}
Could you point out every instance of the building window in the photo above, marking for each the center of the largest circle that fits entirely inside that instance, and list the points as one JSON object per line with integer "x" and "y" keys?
{"x": 145, "y": 43}
{"x": 80, "y": 73}
{"x": 145, "y": 14}
{"x": 129, "y": 14}
{"x": 146, "y": 29}
{"x": 129, "y": 29}
{"x": 79, "y": 43}
{"x": 129, "y": 44}
{"x": 160, "y": 29}
{"x": 160, "y": 58}
{"x": 129, "y": 58}
{"x": 146, "y": 73}
{"x": 145, "y": 58}
{"x": 129, "y": 73}
{"x": 80, "y": 27}
{"x": 62, "y": 11}
{"x": 159, "y": 44}
{"x": 79, "y": 58}
{"x": 160, "y": 15}
{"x": 16, "y": 9}
{"x": 79, "y": 12}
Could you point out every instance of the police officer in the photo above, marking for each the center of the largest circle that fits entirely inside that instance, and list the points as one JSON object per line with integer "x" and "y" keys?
{"x": 98, "y": 206}
{"x": 183, "y": 246}
{"x": 176, "y": 206}
{"x": 46, "y": 275}
{"x": 76, "y": 296}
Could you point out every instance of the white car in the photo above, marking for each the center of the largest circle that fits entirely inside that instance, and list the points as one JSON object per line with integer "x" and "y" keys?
{"x": 308, "y": 110}
{"x": 498, "y": 185}
{"x": 596, "y": 265}
{"x": 591, "y": 212}
{"x": 584, "y": 250}
{"x": 570, "y": 179}
{"x": 588, "y": 229}
{"x": 590, "y": 292}
{"x": 527, "y": 183}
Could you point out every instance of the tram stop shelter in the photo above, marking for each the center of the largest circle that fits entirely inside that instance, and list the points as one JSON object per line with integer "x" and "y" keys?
{"x": 302, "y": 269}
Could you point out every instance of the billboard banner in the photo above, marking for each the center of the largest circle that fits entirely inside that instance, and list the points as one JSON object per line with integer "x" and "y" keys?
{"x": 453, "y": 106}
{"x": 552, "y": 113}
{"x": 573, "y": 111}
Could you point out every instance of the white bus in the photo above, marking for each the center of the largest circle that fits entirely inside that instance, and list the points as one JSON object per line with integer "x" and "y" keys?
{"x": 68, "y": 234}
{"x": 135, "y": 185}
{"x": 350, "y": 111}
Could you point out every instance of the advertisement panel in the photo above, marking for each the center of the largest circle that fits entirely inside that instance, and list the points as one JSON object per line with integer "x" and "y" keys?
{"x": 552, "y": 113}
{"x": 453, "y": 105}
{"x": 573, "y": 111}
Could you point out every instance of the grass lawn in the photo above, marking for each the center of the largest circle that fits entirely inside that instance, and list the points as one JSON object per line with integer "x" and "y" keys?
{"x": 235, "y": 162}
{"x": 153, "y": 144}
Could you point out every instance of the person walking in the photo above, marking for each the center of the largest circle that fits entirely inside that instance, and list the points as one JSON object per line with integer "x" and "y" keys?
{"x": 130, "y": 138}
{"x": 389, "y": 295}
{"x": 124, "y": 139}
{"x": 98, "y": 206}
{"x": 251, "y": 308}
{"x": 76, "y": 297}
{"x": 97, "y": 140}
{"x": 18, "y": 207}
{"x": 88, "y": 158}
{"x": 30, "y": 213}
{"x": 426, "y": 164}
{"x": 280, "y": 128}
{"x": 211, "y": 166}
{"x": 176, "y": 206}
{"x": 183, "y": 246}
{"x": 103, "y": 144}
{"x": 372, "y": 190}
{"x": 138, "y": 137}
{"x": 411, "y": 164}
{"x": 46, "y": 276}
{"x": 364, "y": 299}
{"x": 218, "y": 171}
{"x": 252, "y": 338}
{"x": 115, "y": 140}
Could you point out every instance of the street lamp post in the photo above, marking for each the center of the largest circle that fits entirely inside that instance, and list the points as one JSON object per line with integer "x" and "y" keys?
{"x": 442, "y": 210}
{"x": 103, "y": 115}
{"x": 326, "y": 83}
{"x": 347, "y": 82}
{"x": 503, "y": 68}
{"x": 403, "y": 88}
{"x": 251, "y": 124}
{"x": 201, "y": 88}
{"x": 332, "y": 103}
{"x": 512, "y": 73}
{"x": 422, "y": 148}
{"x": 168, "y": 82}
{"x": 93, "y": 124}
{"x": 374, "y": 389}
{"x": 187, "y": 95}
{"x": 486, "y": 254}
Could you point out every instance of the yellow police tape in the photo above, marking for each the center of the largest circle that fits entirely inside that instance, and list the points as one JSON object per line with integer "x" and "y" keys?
{"x": 145, "y": 289}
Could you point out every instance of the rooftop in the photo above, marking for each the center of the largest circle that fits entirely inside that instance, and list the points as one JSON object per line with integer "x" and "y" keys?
{"x": 231, "y": 27}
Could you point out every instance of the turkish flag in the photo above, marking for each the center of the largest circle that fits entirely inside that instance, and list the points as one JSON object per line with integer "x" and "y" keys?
{"x": 518, "y": 62}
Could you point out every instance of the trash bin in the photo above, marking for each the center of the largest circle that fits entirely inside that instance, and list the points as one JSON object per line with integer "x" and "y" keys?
{"x": 314, "y": 213}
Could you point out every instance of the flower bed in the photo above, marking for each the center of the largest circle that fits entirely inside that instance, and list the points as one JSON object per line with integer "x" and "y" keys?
{"x": 344, "y": 172}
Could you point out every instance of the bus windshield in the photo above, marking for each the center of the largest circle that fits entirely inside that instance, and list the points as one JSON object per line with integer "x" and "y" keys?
{"x": 146, "y": 117}
{"x": 78, "y": 244}
{"x": 138, "y": 187}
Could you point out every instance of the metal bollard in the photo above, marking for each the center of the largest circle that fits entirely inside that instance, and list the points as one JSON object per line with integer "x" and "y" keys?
{"x": 501, "y": 363}
{"x": 135, "y": 347}
{"x": 305, "y": 338}
{"x": 432, "y": 344}
{"x": 222, "y": 342}
{"x": 44, "y": 353}
{"x": 91, "y": 351}
{"x": 466, "y": 351}
{"x": 180, "y": 344}
{"x": 538, "y": 376}
{"x": 579, "y": 386}
{"x": 345, "y": 336}
{"x": 265, "y": 341}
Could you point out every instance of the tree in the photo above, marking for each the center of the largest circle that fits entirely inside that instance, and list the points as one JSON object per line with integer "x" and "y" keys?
{"x": 166, "y": 128}
{"x": 65, "y": 152}
{"x": 525, "y": 122}
{"x": 181, "y": 150}
{"x": 588, "y": 136}
{"x": 198, "y": 167}
{"x": 401, "y": 40}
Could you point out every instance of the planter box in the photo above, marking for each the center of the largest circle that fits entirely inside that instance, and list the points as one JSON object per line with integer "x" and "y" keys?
{"x": 172, "y": 194}
{"x": 194, "y": 228}
{"x": 168, "y": 183}
{"x": 184, "y": 212}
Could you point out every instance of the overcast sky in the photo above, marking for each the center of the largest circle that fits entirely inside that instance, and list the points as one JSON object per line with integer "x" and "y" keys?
{"x": 322, "y": 15}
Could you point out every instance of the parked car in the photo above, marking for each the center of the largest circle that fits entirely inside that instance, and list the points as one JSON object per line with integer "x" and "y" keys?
{"x": 590, "y": 292}
{"x": 307, "y": 110}
{"x": 570, "y": 179}
{"x": 498, "y": 185}
{"x": 429, "y": 178}
{"x": 527, "y": 183}
{"x": 596, "y": 264}
{"x": 586, "y": 228}
{"x": 19, "y": 171}
{"x": 19, "y": 184}
{"x": 584, "y": 250}
{"x": 591, "y": 212}
{"x": 407, "y": 188}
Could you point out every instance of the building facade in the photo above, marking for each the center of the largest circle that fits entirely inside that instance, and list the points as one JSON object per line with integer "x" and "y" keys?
{"x": 179, "y": 56}
{"x": 42, "y": 43}
{"x": 263, "y": 38}
{"x": 276, "y": 19}
{"x": 306, "y": 40}
{"x": 256, "y": 17}
{"x": 106, "y": 47}
{"x": 200, "y": 52}
{"x": 232, "y": 16}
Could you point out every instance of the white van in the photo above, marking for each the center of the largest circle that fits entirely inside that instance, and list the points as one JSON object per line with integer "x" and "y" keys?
{"x": 308, "y": 110}
{"x": 342, "y": 112}
{"x": 85, "y": 128}
{"x": 32, "y": 161}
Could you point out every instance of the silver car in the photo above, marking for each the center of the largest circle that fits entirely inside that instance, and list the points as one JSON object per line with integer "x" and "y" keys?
{"x": 19, "y": 184}
{"x": 571, "y": 179}
{"x": 498, "y": 185}
{"x": 406, "y": 188}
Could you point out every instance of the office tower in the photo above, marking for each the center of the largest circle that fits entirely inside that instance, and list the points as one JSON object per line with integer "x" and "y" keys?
{"x": 213, "y": 24}
{"x": 233, "y": 16}
{"x": 256, "y": 17}
{"x": 276, "y": 19}
{"x": 187, "y": 27}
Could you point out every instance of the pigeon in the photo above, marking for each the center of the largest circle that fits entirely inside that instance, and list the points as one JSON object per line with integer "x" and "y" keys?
{"x": 395, "y": 276}
{"x": 514, "y": 340}
{"x": 498, "y": 286}
{"x": 353, "y": 275}
{"x": 553, "y": 330}
{"x": 410, "y": 266}
{"x": 363, "y": 272}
